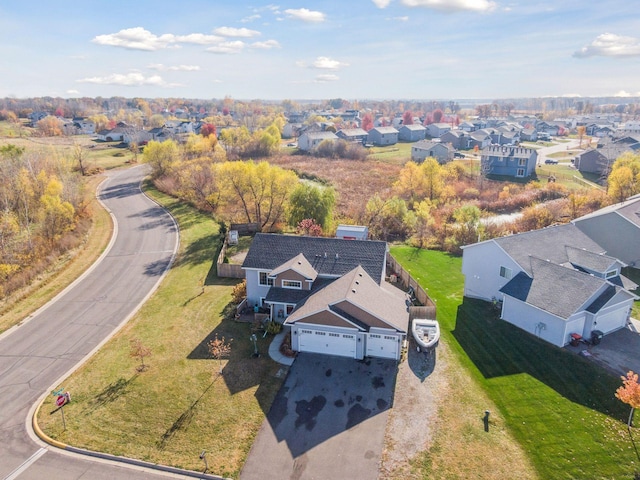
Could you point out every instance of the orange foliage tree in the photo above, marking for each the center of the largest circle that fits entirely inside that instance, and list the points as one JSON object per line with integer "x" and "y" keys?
{"x": 629, "y": 393}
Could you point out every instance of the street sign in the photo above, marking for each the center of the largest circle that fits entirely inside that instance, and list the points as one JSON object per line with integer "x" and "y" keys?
{"x": 61, "y": 400}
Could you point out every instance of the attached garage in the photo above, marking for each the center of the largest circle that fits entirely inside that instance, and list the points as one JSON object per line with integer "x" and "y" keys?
{"x": 330, "y": 343}
{"x": 611, "y": 321}
{"x": 383, "y": 346}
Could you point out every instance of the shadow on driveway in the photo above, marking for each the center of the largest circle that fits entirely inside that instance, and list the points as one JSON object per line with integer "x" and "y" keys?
{"x": 327, "y": 421}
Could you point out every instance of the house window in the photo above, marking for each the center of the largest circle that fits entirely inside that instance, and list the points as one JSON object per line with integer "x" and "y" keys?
{"x": 520, "y": 172}
{"x": 265, "y": 280}
{"x": 611, "y": 273}
{"x": 292, "y": 284}
{"x": 290, "y": 309}
{"x": 505, "y": 272}
{"x": 522, "y": 162}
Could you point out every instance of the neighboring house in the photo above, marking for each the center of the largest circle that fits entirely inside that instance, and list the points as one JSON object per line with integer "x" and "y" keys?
{"x": 137, "y": 136}
{"x": 467, "y": 127}
{"x": 412, "y": 133}
{"x": 443, "y": 152}
{"x": 592, "y": 161}
{"x": 35, "y": 117}
{"x": 435, "y": 130}
{"x": 459, "y": 139}
{"x": 84, "y": 126}
{"x": 510, "y": 161}
{"x": 291, "y": 130}
{"x": 115, "y": 134}
{"x": 330, "y": 291}
{"x": 310, "y": 140}
{"x": 352, "y": 232}
{"x": 480, "y": 139}
{"x": 529, "y": 135}
{"x": 353, "y": 135}
{"x": 632, "y": 126}
{"x": 552, "y": 282}
{"x": 381, "y": 136}
{"x": 548, "y": 128}
{"x": 617, "y": 229}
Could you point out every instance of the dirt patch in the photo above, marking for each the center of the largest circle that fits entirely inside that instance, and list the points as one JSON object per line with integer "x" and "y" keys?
{"x": 420, "y": 386}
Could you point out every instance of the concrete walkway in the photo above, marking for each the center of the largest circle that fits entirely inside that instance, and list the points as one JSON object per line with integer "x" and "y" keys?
{"x": 274, "y": 348}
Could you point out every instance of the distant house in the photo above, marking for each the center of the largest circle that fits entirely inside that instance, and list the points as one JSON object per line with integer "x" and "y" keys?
{"x": 510, "y": 161}
{"x": 381, "y": 136}
{"x": 552, "y": 282}
{"x": 435, "y": 130}
{"x": 353, "y": 135}
{"x": 310, "y": 140}
{"x": 137, "y": 136}
{"x": 115, "y": 134}
{"x": 84, "y": 126}
{"x": 291, "y": 130}
{"x": 412, "y": 133}
{"x": 529, "y": 135}
{"x": 592, "y": 161}
{"x": 548, "y": 128}
{"x": 459, "y": 139}
{"x": 467, "y": 127}
{"x": 442, "y": 152}
{"x": 35, "y": 117}
{"x": 480, "y": 139}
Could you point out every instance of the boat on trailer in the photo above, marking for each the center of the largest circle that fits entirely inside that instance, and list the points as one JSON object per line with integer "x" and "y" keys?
{"x": 426, "y": 333}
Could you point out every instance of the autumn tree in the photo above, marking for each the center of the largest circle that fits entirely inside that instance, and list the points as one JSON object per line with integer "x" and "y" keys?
{"x": 57, "y": 215}
{"x": 50, "y": 126}
{"x": 258, "y": 192}
{"x": 311, "y": 201}
{"x": 629, "y": 393}
{"x": 239, "y": 292}
{"x": 139, "y": 350}
{"x": 433, "y": 181}
{"x": 367, "y": 122}
{"x": 388, "y": 219}
{"x": 411, "y": 183}
{"x": 468, "y": 226}
{"x": 624, "y": 179}
{"x": 219, "y": 348}
{"x": 208, "y": 129}
{"x": 424, "y": 223}
{"x": 161, "y": 156}
{"x": 407, "y": 118}
{"x": 309, "y": 227}
{"x": 437, "y": 115}
{"x": 581, "y": 129}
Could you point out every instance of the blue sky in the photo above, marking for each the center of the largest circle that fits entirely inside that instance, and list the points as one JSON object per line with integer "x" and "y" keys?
{"x": 351, "y": 49}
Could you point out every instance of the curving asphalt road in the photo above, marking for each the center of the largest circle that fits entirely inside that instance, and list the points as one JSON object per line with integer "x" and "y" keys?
{"x": 36, "y": 355}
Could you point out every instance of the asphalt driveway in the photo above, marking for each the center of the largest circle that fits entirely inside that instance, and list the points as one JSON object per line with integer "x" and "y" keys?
{"x": 327, "y": 421}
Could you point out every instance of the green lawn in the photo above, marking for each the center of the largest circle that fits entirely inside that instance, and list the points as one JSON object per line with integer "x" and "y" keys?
{"x": 559, "y": 406}
{"x": 180, "y": 405}
{"x": 399, "y": 151}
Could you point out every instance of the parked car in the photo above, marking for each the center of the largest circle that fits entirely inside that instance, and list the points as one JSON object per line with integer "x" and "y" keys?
{"x": 459, "y": 155}
{"x": 551, "y": 161}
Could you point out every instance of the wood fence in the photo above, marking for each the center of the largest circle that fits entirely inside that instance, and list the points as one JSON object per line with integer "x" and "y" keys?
{"x": 396, "y": 272}
{"x": 227, "y": 270}
{"x": 245, "y": 228}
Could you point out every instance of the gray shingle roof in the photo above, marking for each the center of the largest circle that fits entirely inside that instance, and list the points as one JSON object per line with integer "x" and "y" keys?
{"x": 555, "y": 289}
{"x": 371, "y": 303}
{"x": 589, "y": 260}
{"x": 548, "y": 243}
{"x": 328, "y": 256}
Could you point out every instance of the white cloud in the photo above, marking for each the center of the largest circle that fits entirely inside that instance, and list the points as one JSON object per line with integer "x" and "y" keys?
{"x": 134, "y": 79}
{"x": 73, "y": 92}
{"x": 236, "y": 32}
{"x": 327, "y": 63}
{"x": 327, "y": 78}
{"x": 266, "y": 45}
{"x": 401, "y": 19}
{"x": 305, "y": 15}
{"x": 250, "y": 18}
{"x": 453, "y": 5}
{"x": 381, "y": 3}
{"x": 611, "y": 45}
{"x": 235, "y": 46}
{"x": 174, "y": 68}
{"x": 138, "y": 38}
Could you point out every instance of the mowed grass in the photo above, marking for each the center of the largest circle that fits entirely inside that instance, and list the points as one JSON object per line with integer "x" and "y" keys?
{"x": 180, "y": 405}
{"x": 559, "y": 407}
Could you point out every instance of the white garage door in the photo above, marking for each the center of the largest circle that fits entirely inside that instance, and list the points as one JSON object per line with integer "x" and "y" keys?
{"x": 383, "y": 346}
{"x": 331, "y": 343}
{"x": 611, "y": 321}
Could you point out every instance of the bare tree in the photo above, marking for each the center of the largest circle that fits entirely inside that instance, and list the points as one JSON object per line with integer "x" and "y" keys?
{"x": 219, "y": 348}
{"x": 138, "y": 350}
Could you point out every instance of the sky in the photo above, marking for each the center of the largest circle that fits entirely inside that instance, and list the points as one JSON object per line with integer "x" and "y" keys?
{"x": 350, "y": 49}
